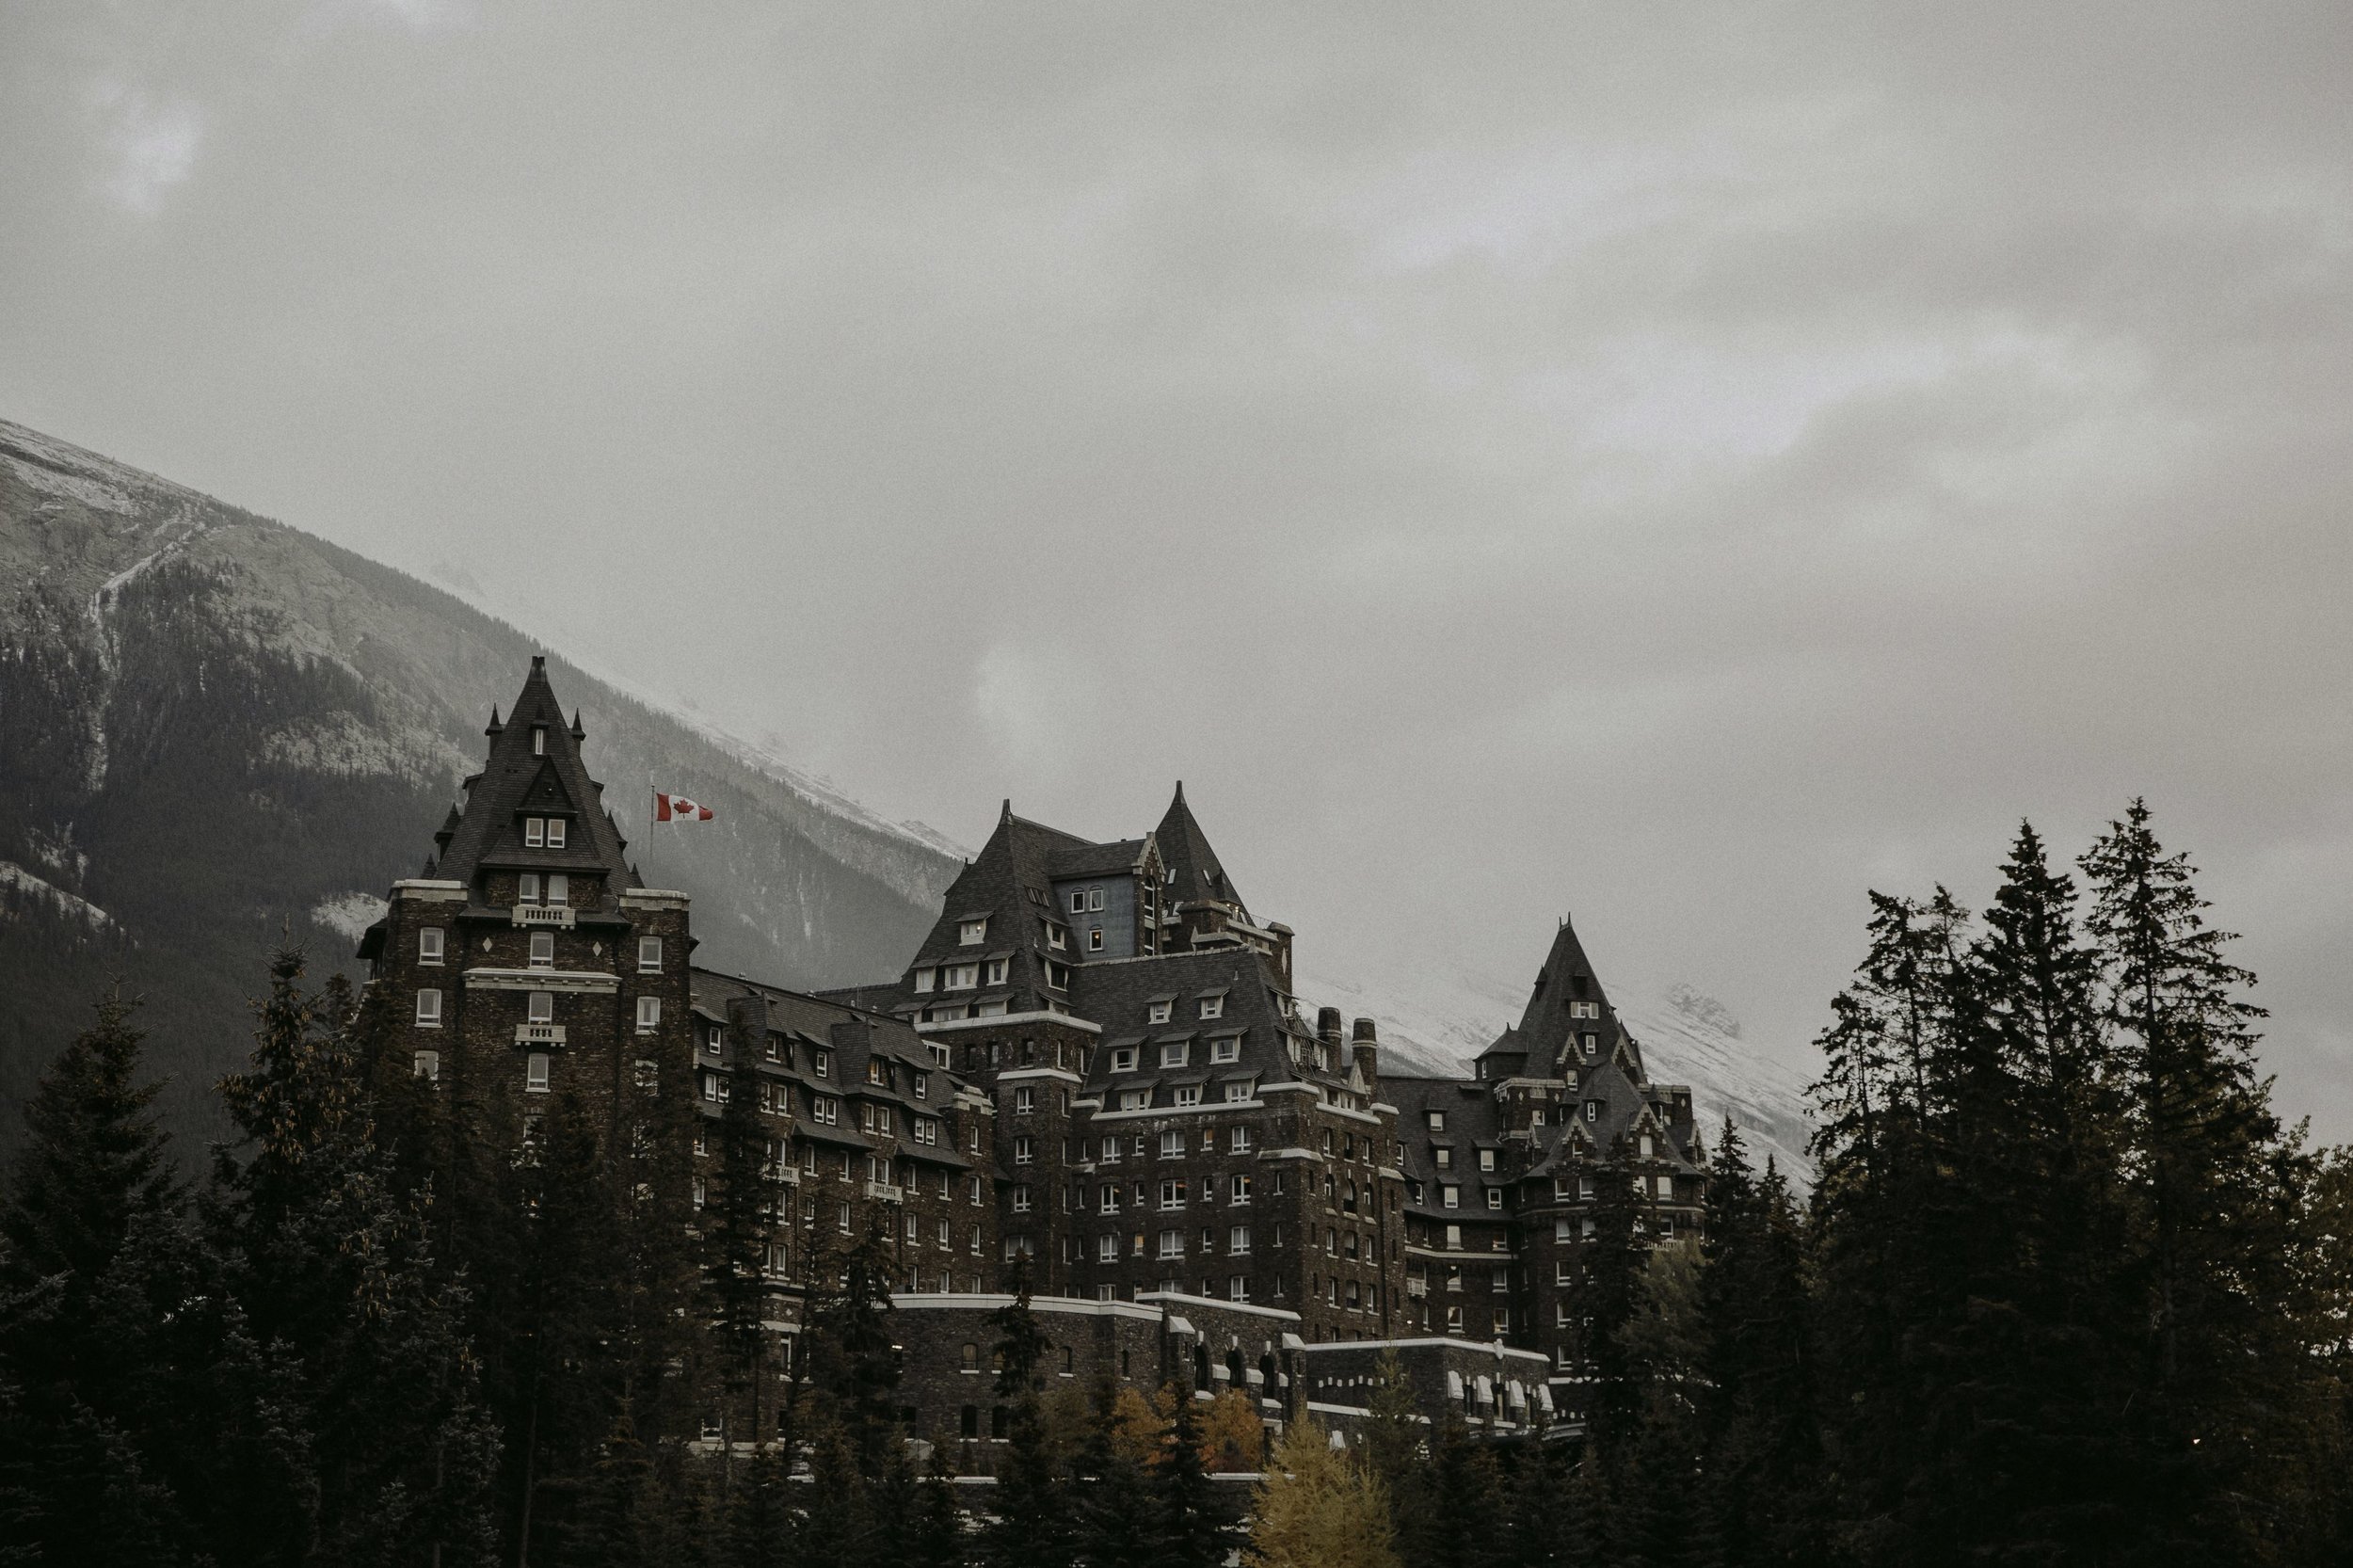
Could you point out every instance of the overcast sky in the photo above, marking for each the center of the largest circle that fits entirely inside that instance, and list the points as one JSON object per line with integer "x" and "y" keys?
{"x": 1683, "y": 465}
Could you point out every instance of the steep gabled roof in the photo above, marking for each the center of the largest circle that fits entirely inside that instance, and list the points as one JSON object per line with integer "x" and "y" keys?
{"x": 515, "y": 780}
{"x": 1542, "y": 1035}
{"x": 1197, "y": 873}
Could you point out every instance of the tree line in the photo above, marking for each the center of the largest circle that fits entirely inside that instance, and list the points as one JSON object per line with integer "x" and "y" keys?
{"x": 2065, "y": 1292}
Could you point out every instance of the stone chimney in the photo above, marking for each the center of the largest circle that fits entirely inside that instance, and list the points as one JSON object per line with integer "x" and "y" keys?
{"x": 747, "y": 1027}
{"x": 1366, "y": 1050}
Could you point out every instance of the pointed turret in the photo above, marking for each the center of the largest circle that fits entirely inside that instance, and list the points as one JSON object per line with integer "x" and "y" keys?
{"x": 534, "y": 775}
{"x": 578, "y": 733}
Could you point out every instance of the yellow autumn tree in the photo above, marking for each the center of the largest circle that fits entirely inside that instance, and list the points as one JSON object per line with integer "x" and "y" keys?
{"x": 1233, "y": 1435}
{"x": 1315, "y": 1507}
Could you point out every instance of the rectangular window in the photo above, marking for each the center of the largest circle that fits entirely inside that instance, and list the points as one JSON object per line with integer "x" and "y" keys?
{"x": 1160, "y": 1011}
{"x": 1240, "y": 1190}
{"x": 648, "y": 1014}
{"x": 555, "y": 833}
{"x": 1024, "y": 1100}
{"x": 430, "y": 945}
{"x": 1171, "y": 1145}
{"x": 1213, "y": 1006}
{"x": 648, "y": 955}
{"x": 1173, "y": 1053}
{"x": 527, "y": 887}
{"x": 996, "y": 971}
{"x": 1124, "y": 1060}
{"x": 559, "y": 888}
{"x": 1188, "y": 1094}
{"x": 1094, "y": 898}
{"x": 1437, "y": 1121}
{"x": 535, "y": 832}
{"x": 1024, "y": 1151}
{"x": 1239, "y": 1140}
{"x": 1172, "y": 1194}
{"x": 1486, "y": 1160}
{"x": 1107, "y": 1249}
{"x": 1236, "y": 1093}
{"x": 1443, "y": 1158}
{"x": 923, "y": 979}
{"x": 427, "y": 1065}
{"x": 963, "y": 977}
{"x": 541, "y": 1008}
{"x": 1094, "y": 939}
{"x": 1494, "y": 1198}
{"x": 1171, "y": 1243}
{"x": 1237, "y": 1241}
{"x": 1665, "y": 1187}
{"x": 536, "y": 1073}
{"x": 824, "y": 1109}
{"x": 543, "y": 950}
{"x": 429, "y": 1009}
{"x": 971, "y": 933}
{"x": 1021, "y": 1198}
{"x": 1229, "y": 1049}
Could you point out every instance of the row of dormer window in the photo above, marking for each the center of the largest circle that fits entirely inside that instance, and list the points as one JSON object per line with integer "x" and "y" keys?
{"x": 961, "y": 977}
{"x": 544, "y": 832}
{"x": 1175, "y": 1053}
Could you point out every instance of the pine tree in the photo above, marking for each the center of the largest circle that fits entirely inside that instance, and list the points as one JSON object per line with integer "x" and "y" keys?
{"x": 331, "y": 1267}
{"x": 1115, "y": 1507}
{"x": 855, "y": 1363}
{"x": 1192, "y": 1530}
{"x": 738, "y": 1226}
{"x": 1394, "y": 1449}
{"x": 1607, "y": 1297}
{"x": 838, "y": 1527}
{"x": 2219, "y": 1187}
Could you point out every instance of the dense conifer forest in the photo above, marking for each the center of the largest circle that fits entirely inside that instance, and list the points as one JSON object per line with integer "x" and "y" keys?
{"x": 2067, "y": 1292}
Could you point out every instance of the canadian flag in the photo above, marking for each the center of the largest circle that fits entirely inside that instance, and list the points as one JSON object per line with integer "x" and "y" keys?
{"x": 678, "y": 808}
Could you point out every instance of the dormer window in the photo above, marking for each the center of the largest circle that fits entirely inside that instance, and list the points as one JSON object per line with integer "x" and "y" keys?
{"x": 1486, "y": 1160}
{"x": 555, "y": 833}
{"x": 535, "y": 832}
{"x": 973, "y": 933}
{"x": 923, "y": 979}
{"x": 1213, "y": 1006}
{"x": 1437, "y": 1121}
{"x": 923, "y": 1085}
{"x": 963, "y": 977}
{"x": 1443, "y": 1158}
{"x": 824, "y": 1064}
{"x": 1160, "y": 1011}
{"x": 1227, "y": 1050}
{"x": 877, "y": 1072}
{"x": 1124, "y": 1060}
{"x": 1057, "y": 937}
{"x": 996, "y": 972}
{"x": 1173, "y": 1053}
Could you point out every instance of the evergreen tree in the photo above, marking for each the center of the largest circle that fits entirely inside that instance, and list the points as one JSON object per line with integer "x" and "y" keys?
{"x": 855, "y": 1363}
{"x": 838, "y": 1527}
{"x": 331, "y": 1267}
{"x": 736, "y": 1221}
{"x": 1394, "y": 1449}
{"x": 1114, "y": 1505}
{"x": 1454, "y": 1529}
{"x": 1607, "y": 1297}
{"x": 1192, "y": 1530}
{"x": 2219, "y": 1187}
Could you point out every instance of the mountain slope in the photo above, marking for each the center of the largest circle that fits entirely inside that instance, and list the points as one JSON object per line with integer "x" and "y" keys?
{"x": 215, "y": 729}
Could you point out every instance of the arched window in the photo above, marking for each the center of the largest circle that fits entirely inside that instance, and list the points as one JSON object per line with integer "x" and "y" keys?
{"x": 971, "y": 1358}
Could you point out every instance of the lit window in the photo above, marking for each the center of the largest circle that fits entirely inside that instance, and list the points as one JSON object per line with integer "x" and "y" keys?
{"x": 429, "y": 1009}
{"x": 536, "y": 1072}
{"x": 430, "y": 945}
{"x": 648, "y": 955}
{"x": 972, "y": 932}
{"x": 543, "y": 950}
{"x": 1094, "y": 939}
{"x": 648, "y": 1014}
{"x": 428, "y": 1066}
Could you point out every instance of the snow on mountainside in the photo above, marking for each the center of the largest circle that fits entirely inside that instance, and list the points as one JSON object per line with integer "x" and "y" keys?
{"x": 222, "y": 733}
{"x": 1438, "y": 1024}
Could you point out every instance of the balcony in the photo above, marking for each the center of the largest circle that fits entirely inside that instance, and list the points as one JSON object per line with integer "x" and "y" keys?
{"x": 886, "y": 1192}
{"x": 539, "y": 1034}
{"x": 1417, "y": 1287}
{"x": 789, "y": 1174}
{"x": 556, "y": 915}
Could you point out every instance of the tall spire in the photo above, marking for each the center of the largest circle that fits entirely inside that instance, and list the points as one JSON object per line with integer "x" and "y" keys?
{"x": 495, "y": 726}
{"x": 578, "y": 733}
